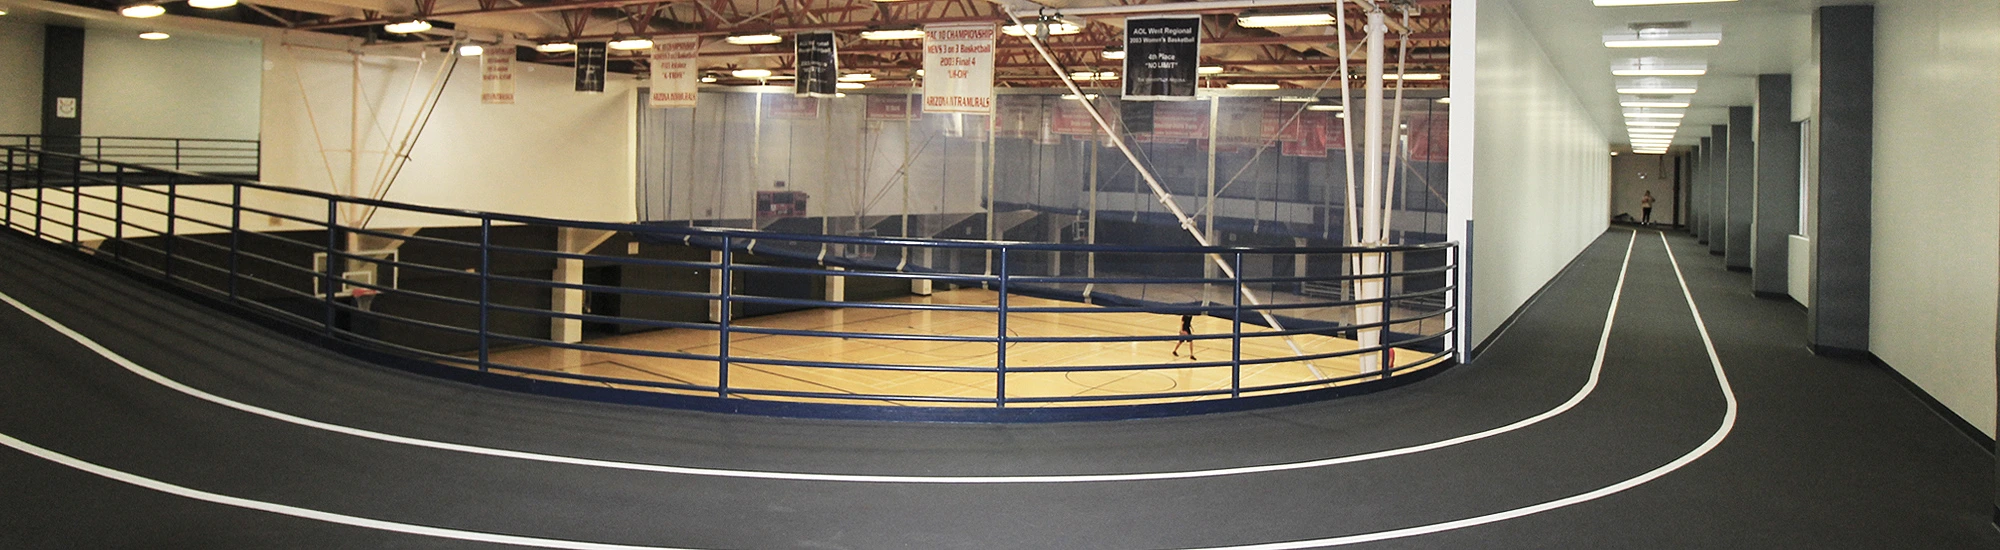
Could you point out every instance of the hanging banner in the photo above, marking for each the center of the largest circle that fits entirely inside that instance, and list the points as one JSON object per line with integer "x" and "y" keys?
{"x": 590, "y": 66}
{"x": 818, "y": 65}
{"x": 958, "y": 68}
{"x": 1072, "y": 118}
{"x": 889, "y": 107}
{"x": 674, "y": 78}
{"x": 1161, "y": 55}
{"x": 791, "y": 107}
{"x": 1430, "y": 137}
{"x": 1018, "y": 117}
{"x": 1181, "y": 120}
{"x": 496, "y": 76}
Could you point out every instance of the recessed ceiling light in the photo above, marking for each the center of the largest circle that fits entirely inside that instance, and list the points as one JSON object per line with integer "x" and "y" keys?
{"x": 1414, "y": 76}
{"x": 630, "y": 44}
{"x": 1659, "y": 66}
{"x": 556, "y": 47}
{"x": 1257, "y": 20}
{"x": 754, "y": 39}
{"x": 1655, "y": 115}
{"x": 1664, "y": 43}
{"x": 211, "y": 4}
{"x": 1615, "y": 3}
{"x": 858, "y": 77}
{"x": 1252, "y": 86}
{"x": 1656, "y": 91}
{"x": 154, "y": 35}
{"x": 1660, "y": 72}
{"x": 751, "y": 73}
{"x": 142, "y": 11}
{"x": 1654, "y": 123}
{"x": 707, "y": 79}
{"x": 407, "y": 27}
{"x": 1655, "y": 104}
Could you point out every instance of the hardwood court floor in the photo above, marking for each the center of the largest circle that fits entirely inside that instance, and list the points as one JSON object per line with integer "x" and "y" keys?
{"x": 1135, "y": 380}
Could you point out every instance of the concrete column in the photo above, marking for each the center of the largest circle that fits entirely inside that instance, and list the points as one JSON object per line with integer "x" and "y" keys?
{"x": 1742, "y": 197}
{"x": 570, "y": 271}
{"x": 1837, "y": 322}
{"x": 1718, "y": 190}
{"x": 1698, "y": 192}
{"x": 1777, "y": 187}
{"x": 62, "y": 88}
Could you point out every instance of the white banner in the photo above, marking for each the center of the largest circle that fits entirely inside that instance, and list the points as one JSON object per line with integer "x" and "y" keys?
{"x": 496, "y": 73}
{"x": 674, "y": 68}
{"x": 958, "y": 68}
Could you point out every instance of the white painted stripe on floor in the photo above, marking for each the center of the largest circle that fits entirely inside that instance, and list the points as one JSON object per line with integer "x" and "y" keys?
{"x": 1721, "y": 432}
{"x": 1729, "y": 422}
{"x": 1596, "y": 368}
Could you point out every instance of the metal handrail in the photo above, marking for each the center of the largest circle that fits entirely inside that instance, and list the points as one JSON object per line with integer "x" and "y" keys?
{"x": 59, "y": 212}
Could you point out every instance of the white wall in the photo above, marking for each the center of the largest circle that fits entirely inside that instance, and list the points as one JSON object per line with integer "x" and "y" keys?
{"x": 1936, "y": 194}
{"x": 186, "y": 86}
{"x": 20, "y": 77}
{"x": 554, "y": 153}
{"x": 1540, "y": 167}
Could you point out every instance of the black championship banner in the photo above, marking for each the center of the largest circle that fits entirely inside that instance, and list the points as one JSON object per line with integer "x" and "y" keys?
{"x": 818, "y": 66}
{"x": 1161, "y": 55}
{"x": 590, "y": 66}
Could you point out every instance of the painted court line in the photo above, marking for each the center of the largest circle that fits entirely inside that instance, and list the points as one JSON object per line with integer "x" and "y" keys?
{"x": 1729, "y": 421}
{"x": 1596, "y": 369}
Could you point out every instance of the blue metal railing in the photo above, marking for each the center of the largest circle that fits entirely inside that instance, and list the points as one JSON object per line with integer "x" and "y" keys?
{"x": 476, "y": 308}
{"x": 228, "y": 157}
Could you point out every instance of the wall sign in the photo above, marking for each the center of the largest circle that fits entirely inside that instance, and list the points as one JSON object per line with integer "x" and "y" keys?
{"x": 958, "y": 68}
{"x": 1161, "y": 55}
{"x": 674, "y": 78}
{"x": 590, "y": 67}
{"x": 818, "y": 65}
{"x": 65, "y": 107}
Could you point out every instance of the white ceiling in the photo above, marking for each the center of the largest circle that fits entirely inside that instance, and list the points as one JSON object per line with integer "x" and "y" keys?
{"x": 1758, "y": 37}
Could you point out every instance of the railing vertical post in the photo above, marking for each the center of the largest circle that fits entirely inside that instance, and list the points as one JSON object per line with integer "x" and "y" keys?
{"x": 723, "y": 319}
{"x": 118, "y": 215}
{"x": 9, "y": 215}
{"x": 327, "y": 288}
{"x": 485, "y": 292}
{"x": 1000, "y": 354}
{"x": 76, "y": 209}
{"x": 1385, "y": 355}
{"x": 41, "y": 182}
{"x": 173, "y": 196}
{"x": 177, "y": 154}
{"x": 1236, "y": 331}
{"x": 235, "y": 234}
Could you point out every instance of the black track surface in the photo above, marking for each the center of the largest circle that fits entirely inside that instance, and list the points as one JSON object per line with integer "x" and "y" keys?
{"x": 1825, "y": 454}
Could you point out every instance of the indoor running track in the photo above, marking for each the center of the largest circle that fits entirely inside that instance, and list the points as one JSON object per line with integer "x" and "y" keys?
{"x": 155, "y": 423}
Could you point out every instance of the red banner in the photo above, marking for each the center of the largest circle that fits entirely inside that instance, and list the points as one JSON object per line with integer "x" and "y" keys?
{"x": 1430, "y": 137}
{"x": 791, "y": 107}
{"x": 889, "y": 107}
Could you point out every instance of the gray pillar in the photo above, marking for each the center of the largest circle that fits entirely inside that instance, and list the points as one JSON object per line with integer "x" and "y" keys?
{"x": 1742, "y": 197}
{"x": 1777, "y": 187}
{"x": 1718, "y": 190}
{"x": 1837, "y": 323}
{"x": 1698, "y": 193}
{"x": 62, "y": 88}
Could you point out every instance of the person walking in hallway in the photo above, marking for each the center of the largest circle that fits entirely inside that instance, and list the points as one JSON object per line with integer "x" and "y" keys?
{"x": 1646, "y": 209}
{"x": 1187, "y": 328}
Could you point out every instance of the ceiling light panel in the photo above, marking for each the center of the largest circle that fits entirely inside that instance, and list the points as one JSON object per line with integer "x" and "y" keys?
{"x": 1676, "y": 34}
{"x": 753, "y": 39}
{"x": 1658, "y": 66}
{"x": 1618, "y": 3}
{"x": 1257, "y": 20}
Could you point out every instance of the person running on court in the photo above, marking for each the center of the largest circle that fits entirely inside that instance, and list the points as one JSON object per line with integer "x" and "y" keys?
{"x": 1187, "y": 328}
{"x": 1646, "y": 208}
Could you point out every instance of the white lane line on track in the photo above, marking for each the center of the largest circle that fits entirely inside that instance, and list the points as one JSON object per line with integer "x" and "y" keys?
{"x": 1729, "y": 422}
{"x": 1596, "y": 368}
{"x": 1721, "y": 432}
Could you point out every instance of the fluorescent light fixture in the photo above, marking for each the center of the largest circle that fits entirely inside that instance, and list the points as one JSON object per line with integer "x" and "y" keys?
{"x": 1637, "y": 141}
{"x": 1659, "y": 66}
{"x": 892, "y": 34}
{"x": 1444, "y": 100}
{"x": 1252, "y": 86}
{"x": 142, "y": 11}
{"x": 1655, "y": 104}
{"x": 783, "y": 77}
{"x": 556, "y": 47}
{"x": 1294, "y": 99}
{"x": 1651, "y": 132}
{"x": 1087, "y": 75}
{"x": 751, "y": 73}
{"x": 1114, "y": 52}
{"x": 1256, "y": 20}
{"x": 1649, "y": 152}
{"x": 153, "y": 35}
{"x": 407, "y": 27}
{"x": 1654, "y": 123}
{"x": 858, "y": 77}
{"x": 1616, "y": 3}
{"x": 708, "y": 79}
{"x": 1655, "y": 115}
{"x": 1656, "y": 91}
{"x": 849, "y": 85}
{"x": 753, "y": 39}
{"x": 1327, "y": 108}
{"x": 1208, "y": 69}
{"x": 920, "y": 72}
{"x": 1056, "y": 28}
{"x": 1678, "y": 34}
{"x": 630, "y": 44}
{"x": 1664, "y": 43}
{"x": 1414, "y": 76}
{"x": 3, "y": 11}
{"x": 470, "y": 50}
{"x": 1074, "y": 97}
{"x": 211, "y": 4}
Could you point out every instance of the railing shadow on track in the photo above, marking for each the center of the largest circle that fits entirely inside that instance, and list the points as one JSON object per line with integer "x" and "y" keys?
{"x": 479, "y": 299}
